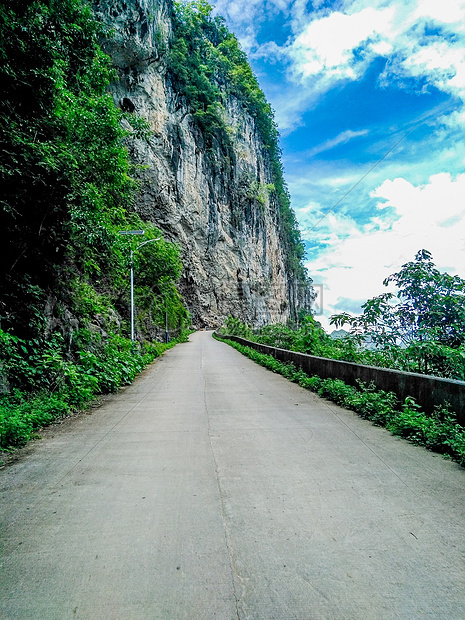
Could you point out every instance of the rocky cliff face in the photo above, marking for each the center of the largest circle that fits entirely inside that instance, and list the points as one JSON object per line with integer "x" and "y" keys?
{"x": 212, "y": 196}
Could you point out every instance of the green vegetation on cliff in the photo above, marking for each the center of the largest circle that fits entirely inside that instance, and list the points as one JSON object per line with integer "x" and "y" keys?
{"x": 62, "y": 160}
{"x": 208, "y": 65}
{"x": 66, "y": 179}
{"x": 68, "y": 190}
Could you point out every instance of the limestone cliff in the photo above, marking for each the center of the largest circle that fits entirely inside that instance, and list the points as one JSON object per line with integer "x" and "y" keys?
{"x": 213, "y": 195}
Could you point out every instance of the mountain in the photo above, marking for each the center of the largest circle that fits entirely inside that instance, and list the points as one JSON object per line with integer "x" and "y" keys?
{"x": 210, "y": 174}
{"x": 338, "y": 333}
{"x": 137, "y": 115}
{"x": 118, "y": 117}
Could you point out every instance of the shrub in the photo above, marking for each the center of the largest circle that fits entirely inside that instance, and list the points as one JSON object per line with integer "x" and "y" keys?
{"x": 336, "y": 390}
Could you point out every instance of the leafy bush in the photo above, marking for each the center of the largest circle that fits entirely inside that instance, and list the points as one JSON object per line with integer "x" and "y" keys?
{"x": 235, "y": 327}
{"x": 418, "y": 329}
{"x": 337, "y": 390}
{"x": 67, "y": 192}
{"x": 66, "y": 175}
{"x": 63, "y": 165}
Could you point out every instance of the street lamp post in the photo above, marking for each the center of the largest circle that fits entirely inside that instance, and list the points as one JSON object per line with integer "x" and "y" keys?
{"x": 134, "y": 232}
{"x": 167, "y": 336}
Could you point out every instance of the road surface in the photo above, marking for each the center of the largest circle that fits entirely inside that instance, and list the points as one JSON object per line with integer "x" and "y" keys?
{"x": 214, "y": 489}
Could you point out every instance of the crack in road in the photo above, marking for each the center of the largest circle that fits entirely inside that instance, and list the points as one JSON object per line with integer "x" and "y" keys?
{"x": 227, "y": 535}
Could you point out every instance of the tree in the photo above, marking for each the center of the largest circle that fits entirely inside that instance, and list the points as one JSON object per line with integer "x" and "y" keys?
{"x": 423, "y": 324}
{"x": 63, "y": 167}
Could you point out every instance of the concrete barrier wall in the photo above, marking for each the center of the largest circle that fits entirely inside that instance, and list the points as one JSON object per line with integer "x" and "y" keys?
{"x": 428, "y": 391}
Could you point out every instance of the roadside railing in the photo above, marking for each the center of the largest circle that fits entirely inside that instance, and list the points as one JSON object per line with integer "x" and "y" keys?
{"x": 428, "y": 391}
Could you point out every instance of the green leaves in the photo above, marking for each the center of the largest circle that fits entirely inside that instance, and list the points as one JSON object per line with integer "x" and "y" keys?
{"x": 63, "y": 155}
{"x": 66, "y": 194}
{"x": 61, "y": 385}
{"x": 157, "y": 270}
{"x": 422, "y": 326}
{"x": 308, "y": 338}
{"x": 235, "y": 327}
{"x": 63, "y": 163}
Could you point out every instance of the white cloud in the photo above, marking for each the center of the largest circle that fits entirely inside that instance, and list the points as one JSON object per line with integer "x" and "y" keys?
{"x": 239, "y": 11}
{"x": 446, "y": 11}
{"x": 382, "y": 48}
{"x": 311, "y": 207}
{"x": 342, "y": 45}
{"x": 342, "y": 138}
{"x": 356, "y": 259}
{"x": 427, "y": 206}
{"x": 328, "y": 44}
{"x": 242, "y": 13}
{"x": 443, "y": 63}
{"x": 289, "y": 108}
{"x": 423, "y": 42}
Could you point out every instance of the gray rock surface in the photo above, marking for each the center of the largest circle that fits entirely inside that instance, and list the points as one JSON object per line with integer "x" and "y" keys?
{"x": 210, "y": 199}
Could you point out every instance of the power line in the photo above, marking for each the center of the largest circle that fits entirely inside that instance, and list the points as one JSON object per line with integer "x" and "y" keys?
{"x": 422, "y": 120}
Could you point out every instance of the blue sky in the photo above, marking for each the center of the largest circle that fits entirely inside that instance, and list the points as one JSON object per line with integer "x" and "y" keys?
{"x": 349, "y": 81}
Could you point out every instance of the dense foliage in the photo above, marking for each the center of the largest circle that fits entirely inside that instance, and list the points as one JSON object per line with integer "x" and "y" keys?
{"x": 66, "y": 184}
{"x": 439, "y": 432}
{"x": 208, "y": 65}
{"x": 58, "y": 385}
{"x": 309, "y": 337}
{"x": 66, "y": 192}
{"x": 64, "y": 171}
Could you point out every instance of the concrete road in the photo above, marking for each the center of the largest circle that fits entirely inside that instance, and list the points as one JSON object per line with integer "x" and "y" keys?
{"x": 214, "y": 489}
